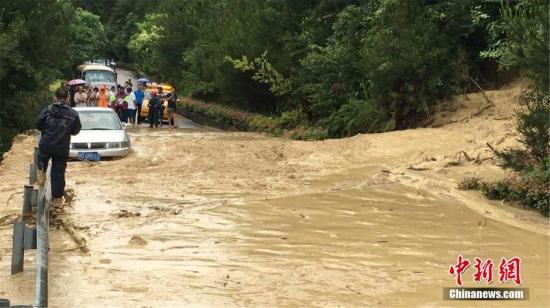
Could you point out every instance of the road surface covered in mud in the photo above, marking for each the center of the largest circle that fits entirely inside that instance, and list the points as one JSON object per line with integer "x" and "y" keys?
{"x": 198, "y": 217}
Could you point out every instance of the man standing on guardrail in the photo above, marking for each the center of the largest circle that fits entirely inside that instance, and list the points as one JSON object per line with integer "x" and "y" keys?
{"x": 57, "y": 122}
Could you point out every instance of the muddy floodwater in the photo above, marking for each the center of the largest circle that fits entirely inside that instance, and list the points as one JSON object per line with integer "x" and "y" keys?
{"x": 204, "y": 218}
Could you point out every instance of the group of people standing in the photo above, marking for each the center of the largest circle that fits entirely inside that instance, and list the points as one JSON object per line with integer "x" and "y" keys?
{"x": 122, "y": 99}
{"x": 58, "y": 122}
{"x": 128, "y": 103}
{"x": 156, "y": 106}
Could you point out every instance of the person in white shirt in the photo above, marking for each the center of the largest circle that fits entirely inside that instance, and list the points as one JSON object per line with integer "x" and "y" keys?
{"x": 80, "y": 97}
{"x": 131, "y": 101}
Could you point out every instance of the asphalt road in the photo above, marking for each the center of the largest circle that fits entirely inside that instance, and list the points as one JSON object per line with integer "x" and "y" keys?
{"x": 123, "y": 75}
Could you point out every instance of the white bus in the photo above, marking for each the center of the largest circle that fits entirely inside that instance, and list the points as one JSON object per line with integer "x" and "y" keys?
{"x": 97, "y": 75}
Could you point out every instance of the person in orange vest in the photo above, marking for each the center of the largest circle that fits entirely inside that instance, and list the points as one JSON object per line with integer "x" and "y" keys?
{"x": 103, "y": 98}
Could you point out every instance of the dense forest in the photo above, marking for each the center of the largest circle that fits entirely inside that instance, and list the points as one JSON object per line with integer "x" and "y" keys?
{"x": 346, "y": 66}
{"x": 340, "y": 67}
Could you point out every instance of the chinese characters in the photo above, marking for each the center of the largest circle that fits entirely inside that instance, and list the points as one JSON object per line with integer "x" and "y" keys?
{"x": 508, "y": 270}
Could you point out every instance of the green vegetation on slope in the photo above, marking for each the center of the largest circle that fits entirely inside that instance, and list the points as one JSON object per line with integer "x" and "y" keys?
{"x": 347, "y": 66}
{"x": 528, "y": 27}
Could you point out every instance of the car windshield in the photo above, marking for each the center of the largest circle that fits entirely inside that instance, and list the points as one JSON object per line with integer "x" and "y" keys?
{"x": 99, "y": 120}
{"x": 99, "y": 76}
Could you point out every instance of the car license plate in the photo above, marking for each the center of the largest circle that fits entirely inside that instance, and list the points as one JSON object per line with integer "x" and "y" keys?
{"x": 89, "y": 156}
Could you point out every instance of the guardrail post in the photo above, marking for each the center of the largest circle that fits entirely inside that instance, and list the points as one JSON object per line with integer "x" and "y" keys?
{"x": 18, "y": 251}
{"x": 33, "y": 238}
{"x": 42, "y": 225}
{"x": 32, "y": 173}
{"x": 27, "y": 205}
{"x": 34, "y": 166}
{"x": 34, "y": 198}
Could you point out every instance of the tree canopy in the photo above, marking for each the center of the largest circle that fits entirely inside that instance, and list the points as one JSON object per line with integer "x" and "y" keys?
{"x": 348, "y": 66}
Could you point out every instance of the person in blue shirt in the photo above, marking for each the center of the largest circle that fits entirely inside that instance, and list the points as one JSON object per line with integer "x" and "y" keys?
{"x": 139, "y": 101}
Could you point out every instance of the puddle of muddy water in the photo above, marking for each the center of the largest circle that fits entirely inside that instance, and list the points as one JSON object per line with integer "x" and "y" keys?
{"x": 356, "y": 247}
{"x": 349, "y": 248}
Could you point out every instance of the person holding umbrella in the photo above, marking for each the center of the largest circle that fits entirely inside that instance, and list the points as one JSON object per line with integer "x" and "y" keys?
{"x": 143, "y": 81}
{"x": 74, "y": 85}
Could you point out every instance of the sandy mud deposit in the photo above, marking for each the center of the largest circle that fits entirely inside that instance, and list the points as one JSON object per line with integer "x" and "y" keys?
{"x": 203, "y": 218}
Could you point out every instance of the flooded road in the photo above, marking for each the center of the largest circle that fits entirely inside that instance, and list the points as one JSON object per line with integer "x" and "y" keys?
{"x": 205, "y": 218}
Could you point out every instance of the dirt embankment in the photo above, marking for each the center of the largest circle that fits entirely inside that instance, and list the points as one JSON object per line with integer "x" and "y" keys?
{"x": 205, "y": 218}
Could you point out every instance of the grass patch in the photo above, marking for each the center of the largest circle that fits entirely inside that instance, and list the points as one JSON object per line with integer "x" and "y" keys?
{"x": 473, "y": 183}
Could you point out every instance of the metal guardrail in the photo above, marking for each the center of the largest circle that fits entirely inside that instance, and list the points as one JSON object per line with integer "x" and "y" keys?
{"x": 25, "y": 238}
{"x": 42, "y": 228}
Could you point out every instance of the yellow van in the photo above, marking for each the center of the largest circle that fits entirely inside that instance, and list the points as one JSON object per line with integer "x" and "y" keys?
{"x": 145, "y": 107}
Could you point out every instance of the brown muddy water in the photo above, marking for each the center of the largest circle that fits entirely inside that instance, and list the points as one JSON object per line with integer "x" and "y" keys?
{"x": 199, "y": 218}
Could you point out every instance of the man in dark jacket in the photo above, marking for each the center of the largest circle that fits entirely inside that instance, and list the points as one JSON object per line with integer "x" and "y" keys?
{"x": 57, "y": 122}
{"x": 154, "y": 105}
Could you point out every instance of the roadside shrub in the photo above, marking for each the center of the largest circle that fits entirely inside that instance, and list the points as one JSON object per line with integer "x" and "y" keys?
{"x": 531, "y": 185}
{"x": 500, "y": 190}
{"x": 309, "y": 133}
{"x": 356, "y": 116}
{"x": 473, "y": 183}
{"x": 534, "y": 124}
{"x": 527, "y": 26}
{"x": 291, "y": 119}
{"x": 531, "y": 190}
{"x": 261, "y": 123}
{"x": 291, "y": 123}
{"x": 229, "y": 117}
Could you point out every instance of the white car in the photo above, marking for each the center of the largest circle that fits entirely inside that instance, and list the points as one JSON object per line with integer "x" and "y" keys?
{"x": 102, "y": 135}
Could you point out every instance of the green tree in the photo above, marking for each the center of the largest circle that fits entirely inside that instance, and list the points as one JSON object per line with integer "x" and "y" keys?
{"x": 527, "y": 27}
{"x": 31, "y": 56}
{"x": 142, "y": 45}
{"x": 120, "y": 19}
{"x": 87, "y": 35}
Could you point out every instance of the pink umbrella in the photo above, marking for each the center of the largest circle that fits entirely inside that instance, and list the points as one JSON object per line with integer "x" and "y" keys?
{"x": 76, "y": 81}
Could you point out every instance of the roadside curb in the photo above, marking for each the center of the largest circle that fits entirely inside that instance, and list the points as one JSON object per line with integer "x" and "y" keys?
{"x": 203, "y": 120}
